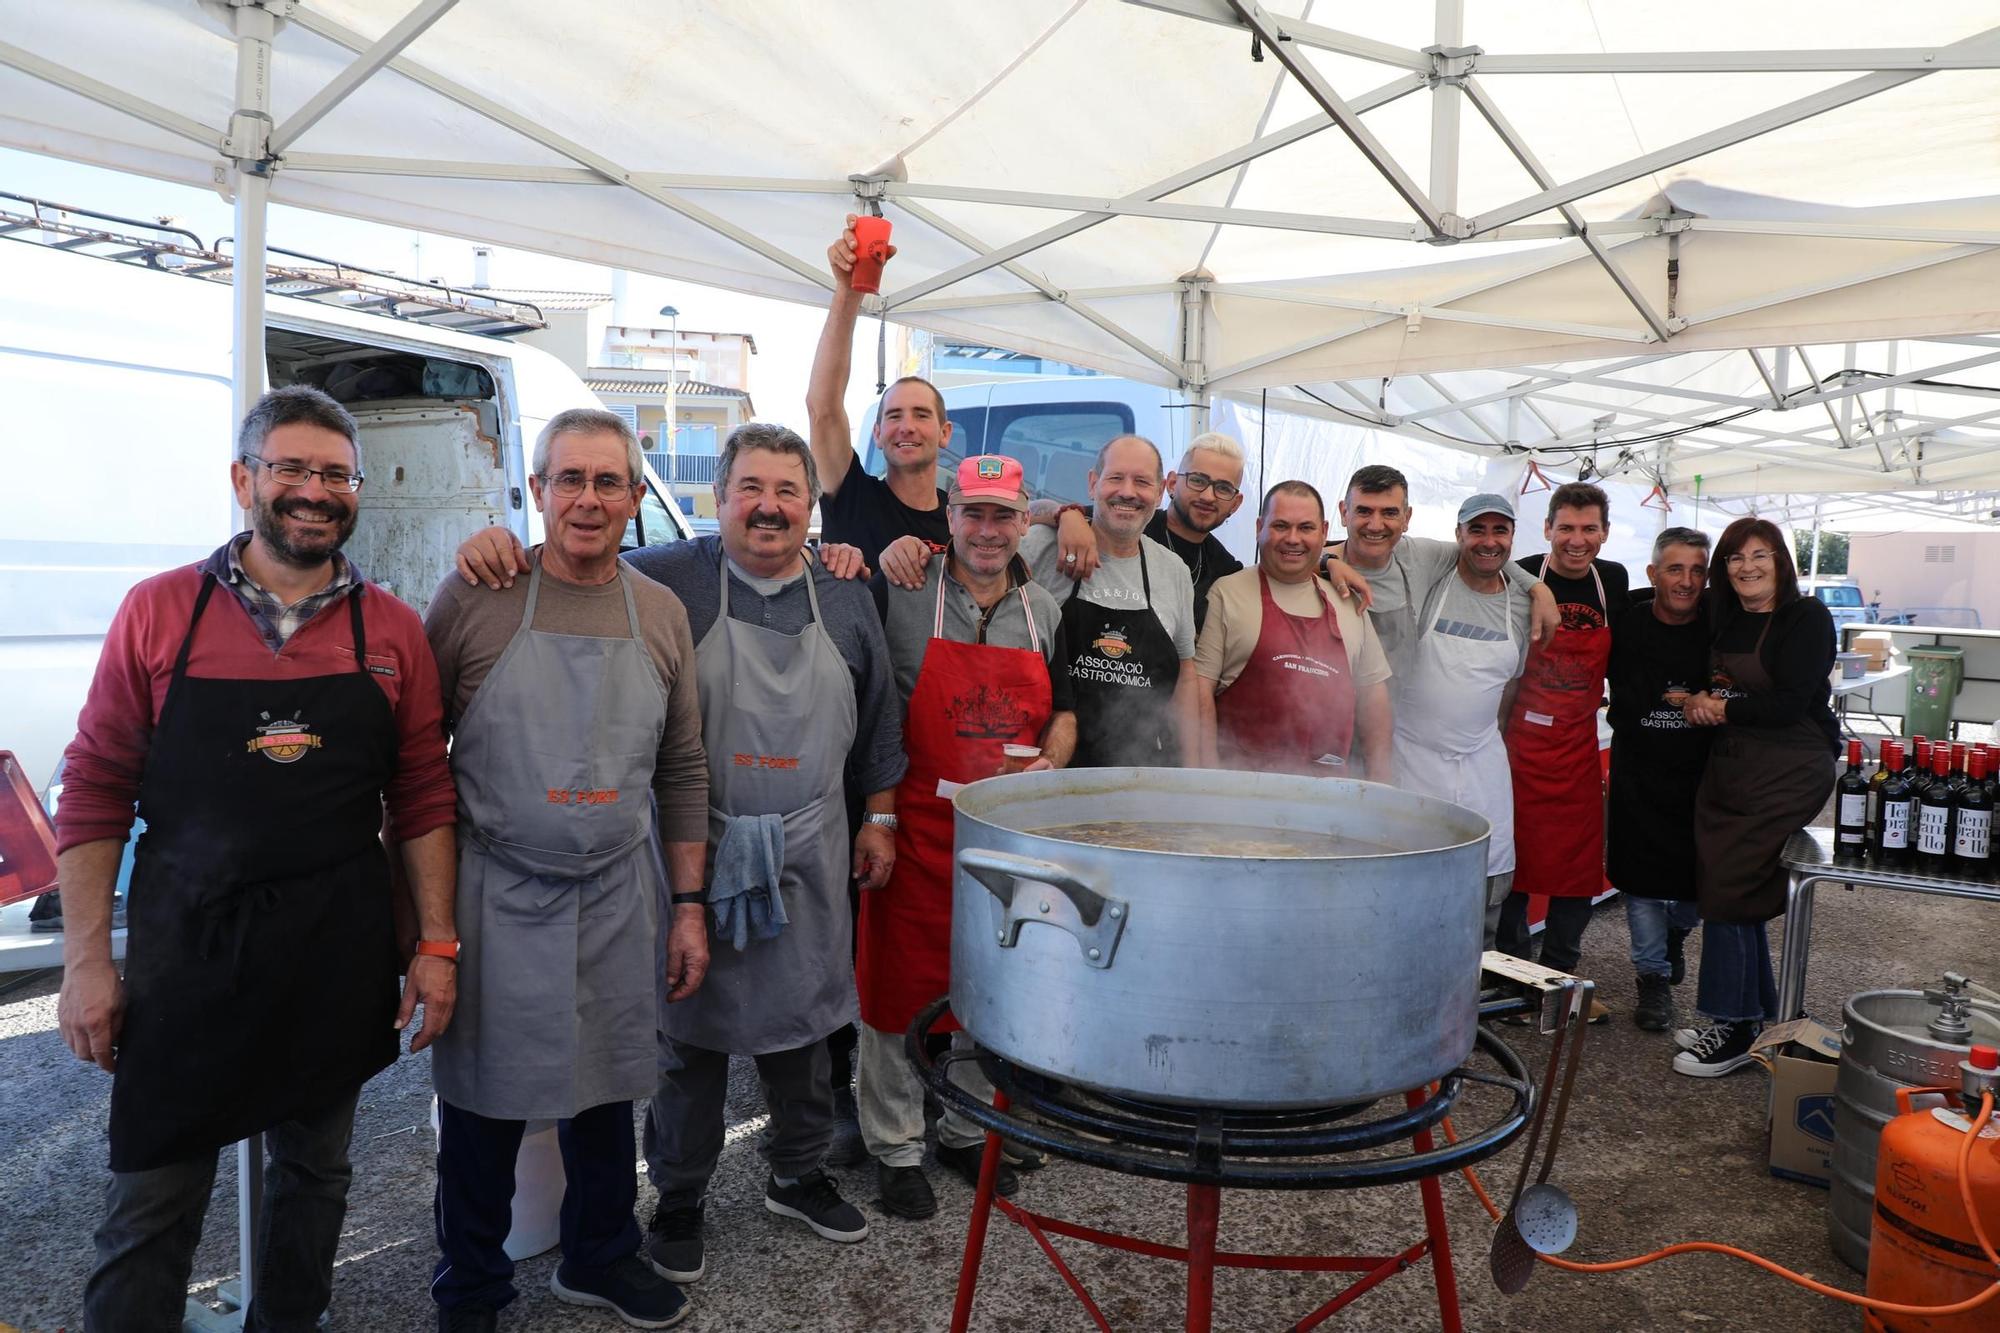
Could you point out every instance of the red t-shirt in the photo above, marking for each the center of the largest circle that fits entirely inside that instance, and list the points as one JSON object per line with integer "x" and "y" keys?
{"x": 102, "y": 766}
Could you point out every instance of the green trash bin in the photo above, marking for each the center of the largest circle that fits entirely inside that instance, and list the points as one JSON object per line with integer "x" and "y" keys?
{"x": 1937, "y": 673}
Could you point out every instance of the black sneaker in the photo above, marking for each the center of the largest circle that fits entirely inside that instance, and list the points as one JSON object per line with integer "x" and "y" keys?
{"x": 847, "y": 1149}
{"x": 816, "y": 1202}
{"x": 1021, "y": 1157}
{"x": 468, "y": 1319}
{"x": 673, "y": 1244}
{"x": 1655, "y": 1011}
{"x": 629, "y": 1289}
{"x": 964, "y": 1163}
{"x": 1722, "y": 1049}
{"x": 1676, "y": 955}
{"x": 1689, "y": 1038}
{"x": 904, "y": 1192}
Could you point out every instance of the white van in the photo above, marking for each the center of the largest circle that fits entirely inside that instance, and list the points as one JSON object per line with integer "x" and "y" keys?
{"x": 117, "y": 428}
{"x": 1842, "y": 597}
{"x": 1053, "y": 424}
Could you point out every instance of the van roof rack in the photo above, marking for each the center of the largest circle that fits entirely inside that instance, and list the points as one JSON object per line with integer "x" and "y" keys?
{"x": 160, "y": 245}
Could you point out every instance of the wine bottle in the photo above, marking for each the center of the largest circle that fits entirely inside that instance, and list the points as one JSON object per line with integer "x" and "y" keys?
{"x": 1934, "y": 815}
{"x": 1850, "y": 823}
{"x": 1899, "y": 807}
{"x": 1958, "y": 777}
{"x": 1972, "y": 822}
{"x": 1921, "y": 749}
{"x": 1878, "y": 780}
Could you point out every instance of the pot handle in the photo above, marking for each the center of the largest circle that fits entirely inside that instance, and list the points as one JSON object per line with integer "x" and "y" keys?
{"x": 1021, "y": 886}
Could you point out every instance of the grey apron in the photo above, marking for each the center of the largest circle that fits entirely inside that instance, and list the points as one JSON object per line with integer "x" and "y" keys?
{"x": 559, "y": 882}
{"x": 777, "y": 720}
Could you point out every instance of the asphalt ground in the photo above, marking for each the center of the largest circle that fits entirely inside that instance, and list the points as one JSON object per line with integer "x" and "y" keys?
{"x": 1650, "y": 1156}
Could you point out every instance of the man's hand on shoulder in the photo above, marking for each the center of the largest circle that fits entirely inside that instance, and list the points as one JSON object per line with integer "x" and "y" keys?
{"x": 904, "y": 560}
{"x": 493, "y": 556}
{"x": 843, "y": 561}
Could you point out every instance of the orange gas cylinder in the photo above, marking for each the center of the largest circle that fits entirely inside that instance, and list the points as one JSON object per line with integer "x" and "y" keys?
{"x": 1923, "y": 1250}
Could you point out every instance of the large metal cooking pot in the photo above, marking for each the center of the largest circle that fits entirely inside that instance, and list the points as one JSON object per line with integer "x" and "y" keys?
{"x": 1183, "y": 976}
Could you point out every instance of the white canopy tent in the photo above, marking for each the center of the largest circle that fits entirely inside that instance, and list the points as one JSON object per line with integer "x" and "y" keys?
{"x": 1768, "y": 261}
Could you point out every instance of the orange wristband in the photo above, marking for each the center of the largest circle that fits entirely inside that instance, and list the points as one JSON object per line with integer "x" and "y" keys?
{"x": 439, "y": 949}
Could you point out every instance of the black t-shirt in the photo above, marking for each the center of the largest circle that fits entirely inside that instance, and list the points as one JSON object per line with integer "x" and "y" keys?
{"x": 1654, "y": 667}
{"x": 1797, "y": 654}
{"x": 1577, "y": 598}
{"x": 864, "y": 512}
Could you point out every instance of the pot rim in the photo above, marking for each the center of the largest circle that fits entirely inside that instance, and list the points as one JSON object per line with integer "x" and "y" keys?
{"x": 1124, "y": 779}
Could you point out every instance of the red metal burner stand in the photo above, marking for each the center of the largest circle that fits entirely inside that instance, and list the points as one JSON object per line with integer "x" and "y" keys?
{"x": 1204, "y": 1203}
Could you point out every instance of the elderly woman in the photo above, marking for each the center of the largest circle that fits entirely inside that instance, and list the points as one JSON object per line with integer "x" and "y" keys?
{"x": 1770, "y": 771}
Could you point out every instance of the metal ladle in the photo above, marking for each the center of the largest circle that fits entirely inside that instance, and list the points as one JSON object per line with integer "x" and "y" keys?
{"x": 1543, "y": 1219}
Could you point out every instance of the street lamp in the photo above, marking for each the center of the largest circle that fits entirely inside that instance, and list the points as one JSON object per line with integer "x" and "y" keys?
{"x": 673, "y": 385}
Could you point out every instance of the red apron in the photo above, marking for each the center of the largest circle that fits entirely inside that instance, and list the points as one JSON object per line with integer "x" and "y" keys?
{"x": 1292, "y": 708}
{"x": 1558, "y": 776}
{"x": 970, "y": 699}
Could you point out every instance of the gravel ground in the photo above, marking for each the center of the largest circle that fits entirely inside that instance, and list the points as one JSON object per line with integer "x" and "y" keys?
{"x": 1651, "y": 1157}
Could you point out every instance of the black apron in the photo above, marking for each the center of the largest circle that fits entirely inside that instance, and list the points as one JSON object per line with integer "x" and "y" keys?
{"x": 1657, "y": 760}
{"x": 260, "y": 974}
{"x": 1762, "y": 784}
{"x": 1123, "y": 668}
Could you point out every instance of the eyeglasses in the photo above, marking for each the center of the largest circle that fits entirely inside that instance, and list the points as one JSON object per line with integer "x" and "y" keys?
{"x": 1741, "y": 558}
{"x": 569, "y": 485}
{"x": 297, "y": 474}
{"x": 1201, "y": 481}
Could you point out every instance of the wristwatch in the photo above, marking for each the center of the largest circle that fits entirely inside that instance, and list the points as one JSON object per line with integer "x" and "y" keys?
{"x": 882, "y": 821}
{"x": 697, "y": 897}
{"x": 438, "y": 949}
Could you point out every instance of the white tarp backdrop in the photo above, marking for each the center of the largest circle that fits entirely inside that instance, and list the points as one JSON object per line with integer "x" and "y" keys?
{"x": 1754, "y": 244}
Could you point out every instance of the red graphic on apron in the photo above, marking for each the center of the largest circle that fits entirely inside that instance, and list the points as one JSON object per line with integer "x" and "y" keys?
{"x": 987, "y": 714}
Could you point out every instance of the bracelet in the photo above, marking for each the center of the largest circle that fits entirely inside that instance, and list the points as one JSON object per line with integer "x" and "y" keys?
{"x": 698, "y": 898}
{"x": 446, "y": 949}
{"x": 1068, "y": 509}
{"x": 881, "y": 821}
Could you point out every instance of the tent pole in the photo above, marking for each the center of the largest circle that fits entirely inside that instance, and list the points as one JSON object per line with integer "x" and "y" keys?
{"x": 1194, "y": 349}
{"x": 248, "y": 146}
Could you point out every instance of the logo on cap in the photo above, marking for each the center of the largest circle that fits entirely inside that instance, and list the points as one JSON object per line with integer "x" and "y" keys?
{"x": 990, "y": 467}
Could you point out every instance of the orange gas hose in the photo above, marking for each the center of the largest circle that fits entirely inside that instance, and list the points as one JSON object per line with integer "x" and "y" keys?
{"x": 1712, "y": 1247}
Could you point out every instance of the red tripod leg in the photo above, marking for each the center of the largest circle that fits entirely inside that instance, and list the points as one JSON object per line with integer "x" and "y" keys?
{"x": 975, "y": 1234}
{"x": 1204, "y": 1205}
{"x": 1434, "y": 1224}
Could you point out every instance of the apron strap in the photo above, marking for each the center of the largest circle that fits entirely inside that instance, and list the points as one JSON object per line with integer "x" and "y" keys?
{"x": 1020, "y": 590}
{"x": 187, "y": 640}
{"x": 360, "y": 631}
{"x": 534, "y": 595}
{"x": 631, "y": 608}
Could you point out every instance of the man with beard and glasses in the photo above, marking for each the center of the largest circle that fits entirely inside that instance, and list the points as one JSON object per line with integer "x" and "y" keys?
{"x": 1292, "y": 678}
{"x": 1659, "y": 657}
{"x": 576, "y": 742}
{"x": 1201, "y": 496}
{"x": 796, "y": 691}
{"x": 1466, "y": 657}
{"x": 980, "y": 665}
{"x": 857, "y": 508}
{"x": 261, "y": 709}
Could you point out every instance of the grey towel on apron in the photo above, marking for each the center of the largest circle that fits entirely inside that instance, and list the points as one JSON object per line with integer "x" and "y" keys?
{"x": 749, "y": 860}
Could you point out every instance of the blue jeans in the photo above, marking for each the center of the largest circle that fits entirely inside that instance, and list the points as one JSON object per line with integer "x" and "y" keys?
{"x": 473, "y": 1207}
{"x": 152, "y": 1223}
{"x": 1736, "y": 982}
{"x": 1649, "y": 920}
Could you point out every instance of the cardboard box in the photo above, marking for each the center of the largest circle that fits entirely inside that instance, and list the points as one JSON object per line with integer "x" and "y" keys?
{"x": 1803, "y": 1057}
{"x": 1877, "y": 645}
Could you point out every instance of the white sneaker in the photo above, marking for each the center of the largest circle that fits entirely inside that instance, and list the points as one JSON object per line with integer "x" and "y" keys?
{"x": 1723, "y": 1049}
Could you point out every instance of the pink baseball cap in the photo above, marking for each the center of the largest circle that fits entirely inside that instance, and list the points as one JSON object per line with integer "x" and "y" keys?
{"x": 990, "y": 479}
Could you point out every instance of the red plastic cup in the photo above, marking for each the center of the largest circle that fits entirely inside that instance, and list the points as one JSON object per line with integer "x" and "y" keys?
{"x": 871, "y": 252}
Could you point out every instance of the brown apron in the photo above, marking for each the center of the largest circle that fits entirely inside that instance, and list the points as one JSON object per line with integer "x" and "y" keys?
{"x": 1762, "y": 784}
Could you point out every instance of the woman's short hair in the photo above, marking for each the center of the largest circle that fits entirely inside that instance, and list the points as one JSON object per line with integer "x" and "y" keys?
{"x": 1733, "y": 539}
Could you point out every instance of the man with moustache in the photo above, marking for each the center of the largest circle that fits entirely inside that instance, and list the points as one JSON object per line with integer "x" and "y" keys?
{"x": 1466, "y": 657}
{"x": 796, "y": 691}
{"x": 856, "y": 508}
{"x": 1129, "y": 626}
{"x": 261, "y": 709}
{"x": 980, "y": 664}
{"x": 1292, "y": 677}
{"x": 1659, "y": 657}
{"x": 576, "y": 741}
{"x": 1202, "y": 494}
{"x": 1552, "y": 734}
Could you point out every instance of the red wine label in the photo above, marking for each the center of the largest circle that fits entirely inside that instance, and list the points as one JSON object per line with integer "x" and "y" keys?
{"x": 1896, "y": 824}
{"x": 1975, "y": 831}
{"x": 1933, "y": 822}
